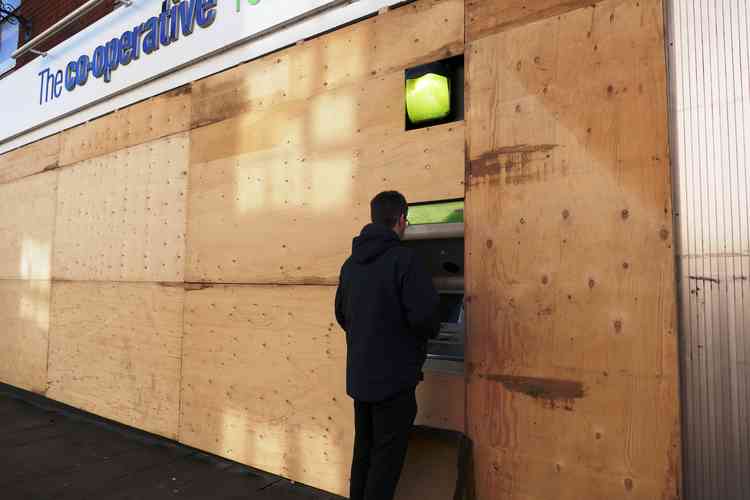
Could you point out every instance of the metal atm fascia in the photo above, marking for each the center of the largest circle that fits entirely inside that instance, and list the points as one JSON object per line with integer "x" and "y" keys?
{"x": 441, "y": 249}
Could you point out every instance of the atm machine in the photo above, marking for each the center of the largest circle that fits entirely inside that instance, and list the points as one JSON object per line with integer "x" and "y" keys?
{"x": 441, "y": 248}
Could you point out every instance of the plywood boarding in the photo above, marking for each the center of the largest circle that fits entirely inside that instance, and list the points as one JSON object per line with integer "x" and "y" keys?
{"x": 536, "y": 439}
{"x": 609, "y": 444}
{"x": 121, "y": 217}
{"x": 115, "y": 351}
{"x": 423, "y": 31}
{"x": 279, "y": 194}
{"x": 488, "y": 17}
{"x": 264, "y": 381}
{"x": 431, "y": 468}
{"x": 29, "y": 160}
{"x": 572, "y": 355}
{"x": 24, "y": 315}
{"x": 441, "y": 398}
{"x": 143, "y": 122}
{"x": 27, "y": 222}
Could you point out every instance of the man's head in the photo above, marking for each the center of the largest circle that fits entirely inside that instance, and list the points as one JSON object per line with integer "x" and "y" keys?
{"x": 390, "y": 209}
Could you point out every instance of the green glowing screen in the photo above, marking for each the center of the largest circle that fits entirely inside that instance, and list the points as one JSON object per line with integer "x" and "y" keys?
{"x": 428, "y": 98}
{"x": 436, "y": 213}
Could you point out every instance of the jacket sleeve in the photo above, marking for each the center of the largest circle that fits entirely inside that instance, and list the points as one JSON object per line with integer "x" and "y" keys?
{"x": 339, "y": 306}
{"x": 420, "y": 301}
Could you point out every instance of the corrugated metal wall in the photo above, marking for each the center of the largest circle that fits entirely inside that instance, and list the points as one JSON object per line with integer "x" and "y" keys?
{"x": 710, "y": 101}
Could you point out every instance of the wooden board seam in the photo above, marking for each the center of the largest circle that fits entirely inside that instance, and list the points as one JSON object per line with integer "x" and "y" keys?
{"x": 450, "y": 50}
{"x": 51, "y": 273}
{"x": 557, "y": 10}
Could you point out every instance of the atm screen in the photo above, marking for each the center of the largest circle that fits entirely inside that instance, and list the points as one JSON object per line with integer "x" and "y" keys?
{"x": 451, "y": 305}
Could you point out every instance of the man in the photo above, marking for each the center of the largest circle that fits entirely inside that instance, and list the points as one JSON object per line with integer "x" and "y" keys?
{"x": 388, "y": 306}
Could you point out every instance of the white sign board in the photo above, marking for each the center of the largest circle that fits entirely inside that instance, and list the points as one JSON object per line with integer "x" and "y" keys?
{"x": 149, "y": 48}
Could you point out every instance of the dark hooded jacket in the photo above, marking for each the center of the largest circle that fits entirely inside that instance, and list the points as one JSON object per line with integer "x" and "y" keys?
{"x": 388, "y": 306}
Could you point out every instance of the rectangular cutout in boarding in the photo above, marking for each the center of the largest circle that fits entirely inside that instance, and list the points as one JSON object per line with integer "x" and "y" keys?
{"x": 434, "y": 93}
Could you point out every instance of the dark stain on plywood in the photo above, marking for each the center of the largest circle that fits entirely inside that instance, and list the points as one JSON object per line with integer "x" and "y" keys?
{"x": 516, "y": 164}
{"x": 540, "y": 388}
{"x": 171, "y": 284}
{"x": 183, "y": 90}
{"x": 194, "y": 287}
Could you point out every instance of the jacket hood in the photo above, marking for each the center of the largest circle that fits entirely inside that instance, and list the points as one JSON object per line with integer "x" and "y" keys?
{"x": 373, "y": 242}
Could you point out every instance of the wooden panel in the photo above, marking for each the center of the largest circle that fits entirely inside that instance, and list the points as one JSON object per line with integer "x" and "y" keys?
{"x": 27, "y": 223}
{"x": 488, "y": 17}
{"x": 424, "y": 31}
{"x": 442, "y": 401}
{"x": 145, "y": 121}
{"x": 115, "y": 351}
{"x": 264, "y": 382}
{"x": 431, "y": 468}
{"x": 279, "y": 195}
{"x": 24, "y": 314}
{"x": 29, "y": 160}
{"x": 121, "y": 217}
{"x": 570, "y": 272}
{"x": 537, "y": 438}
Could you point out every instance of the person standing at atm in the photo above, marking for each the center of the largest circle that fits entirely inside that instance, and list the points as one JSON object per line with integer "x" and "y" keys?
{"x": 388, "y": 307}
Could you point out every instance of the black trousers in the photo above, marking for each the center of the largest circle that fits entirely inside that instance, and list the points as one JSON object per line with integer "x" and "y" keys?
{"x": 381, "y": 439}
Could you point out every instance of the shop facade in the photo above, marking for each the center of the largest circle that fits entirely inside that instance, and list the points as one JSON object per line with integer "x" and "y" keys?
{"x": 177, "y": 196}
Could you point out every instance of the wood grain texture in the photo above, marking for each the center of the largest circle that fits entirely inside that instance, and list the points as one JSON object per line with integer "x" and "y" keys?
{"x": 279, "y": 195}
{"x": 121, "y": 217}
{"x": 27, "y": 223}
{"x": 264, "y": 381}
{"x": 115, "y": 351}
{"x": 619, "y": 440}
{"x": 32, "y": 159}
{"x": 488, "y": 17}
{"x": 154, "y": 118}
{"x": 423, "y": 31}
{"x": 572, "y": 352}
{"x": 24, "y": 316}
{"x": 441, "y": 398}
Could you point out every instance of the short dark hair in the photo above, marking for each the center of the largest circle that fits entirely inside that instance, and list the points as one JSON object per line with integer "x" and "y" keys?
{"x": 388, "y": 207}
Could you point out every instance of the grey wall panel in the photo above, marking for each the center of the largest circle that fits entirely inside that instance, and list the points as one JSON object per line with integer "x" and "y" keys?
{"x": 709, "y": 60}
